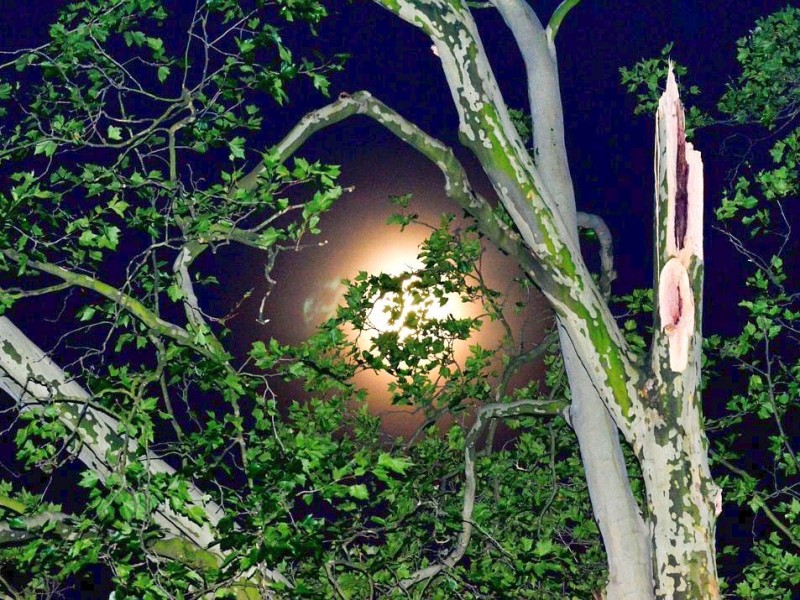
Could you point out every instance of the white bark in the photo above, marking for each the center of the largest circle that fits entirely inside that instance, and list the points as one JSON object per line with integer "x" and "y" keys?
{"x": 544, "y": 96}
{"x": 33, "y": 380}
{"x": 625, "y": 535}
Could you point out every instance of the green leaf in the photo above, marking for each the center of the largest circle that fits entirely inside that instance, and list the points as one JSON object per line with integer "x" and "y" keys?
{"x": 236, "y": 146}
{"x": 46, "y": 147}
{"x": 175, "y": 292}
{"x": 155, "y": 44}
{"x": 114, "y": 133}
{"x": 396, "y": 465}
{"x": 359, "y": 491}
{"x": 87, "y": 238}
{"x": 87, "y": 313}
{"x": 197, "y": 514}
{"x": 118, "y": 206}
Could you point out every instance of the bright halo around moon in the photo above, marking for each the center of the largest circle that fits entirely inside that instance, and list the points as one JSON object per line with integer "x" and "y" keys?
{"x": 393, "y": 255}
{"x": 373, "y": 248}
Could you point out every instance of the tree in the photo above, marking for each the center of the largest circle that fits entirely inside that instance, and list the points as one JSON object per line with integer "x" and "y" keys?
{"x": 655, "y": 403}
{"x": 248, "y": 497}
{"x": 755, "y": 215}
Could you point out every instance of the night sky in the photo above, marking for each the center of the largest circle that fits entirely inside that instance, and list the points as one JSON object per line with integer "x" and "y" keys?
{"x": 610, "y": 150}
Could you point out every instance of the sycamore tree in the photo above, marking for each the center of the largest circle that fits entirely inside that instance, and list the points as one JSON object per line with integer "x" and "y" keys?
{"x": 127, "y": 172}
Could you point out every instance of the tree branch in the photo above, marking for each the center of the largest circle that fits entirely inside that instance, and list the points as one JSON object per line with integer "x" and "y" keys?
{"x": 211, "y": 350}
{"x": 482, "y": 418}
{"x": 607, "y": 272}
{"x": 28, "y": 375}
{"x": 486, "y": 129}
{"x": 558, "y": 16}
{"x": 544, "y": 99}
{"x": 27, "y": 528}
{"x": 457, "y": 185}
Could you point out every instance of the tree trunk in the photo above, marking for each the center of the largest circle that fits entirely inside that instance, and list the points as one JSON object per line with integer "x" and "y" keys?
{"x": 625, "y": 535}
{"x": 681, "y": 496}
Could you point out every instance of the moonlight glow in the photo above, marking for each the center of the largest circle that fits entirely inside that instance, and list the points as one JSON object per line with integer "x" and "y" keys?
{"x": 394, "y": 259}
{"x": 361, "y": 241}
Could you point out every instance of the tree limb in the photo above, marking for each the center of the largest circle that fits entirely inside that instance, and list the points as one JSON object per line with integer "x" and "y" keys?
{"x": 558, "y": 16}
{"x": 544, "y": 99}
{"x": 29, "y": 376}
{"x": 482, "y": 418}
{"x": 607, "y": 272}
{"x": 129, "y": 303}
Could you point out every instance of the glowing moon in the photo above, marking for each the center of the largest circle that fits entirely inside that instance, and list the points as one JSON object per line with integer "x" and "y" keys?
{"x": 380, "y": 317}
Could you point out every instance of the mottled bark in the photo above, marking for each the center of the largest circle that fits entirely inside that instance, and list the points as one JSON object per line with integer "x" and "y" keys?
{"x": 625, "y": 534}
{"x": 681, "y": 496}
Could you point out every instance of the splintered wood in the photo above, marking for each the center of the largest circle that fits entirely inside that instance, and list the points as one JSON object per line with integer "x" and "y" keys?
{"x": 683, "y": 176}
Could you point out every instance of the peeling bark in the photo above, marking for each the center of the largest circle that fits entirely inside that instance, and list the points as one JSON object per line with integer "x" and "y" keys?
{"x": 679, "y": 183}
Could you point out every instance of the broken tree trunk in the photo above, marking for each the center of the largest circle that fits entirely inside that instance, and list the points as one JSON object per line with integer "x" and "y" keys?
{"x": 682, "y": 499}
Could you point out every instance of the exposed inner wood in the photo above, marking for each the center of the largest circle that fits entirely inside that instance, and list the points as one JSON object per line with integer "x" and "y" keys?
{"x": 682, "y": 185}
{"x": 676, "y": 309}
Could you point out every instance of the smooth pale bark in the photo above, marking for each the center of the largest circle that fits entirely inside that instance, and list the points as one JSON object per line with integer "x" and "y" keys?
{"x": 625, "y": 535}
{"x": 537, "y": 46}
{"x": 622, "y": 528}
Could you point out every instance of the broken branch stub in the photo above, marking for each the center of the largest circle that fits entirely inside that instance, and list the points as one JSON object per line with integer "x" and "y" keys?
{"x": 679, "y": 235}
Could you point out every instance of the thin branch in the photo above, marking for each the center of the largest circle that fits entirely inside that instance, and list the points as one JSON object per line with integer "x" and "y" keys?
{"x": 129, "y": 303}
{"x": 598, "y": 225}
{"x": 482, "y": 419}
{"x": 559, "y": 14}
{"x": 758, "y": 499}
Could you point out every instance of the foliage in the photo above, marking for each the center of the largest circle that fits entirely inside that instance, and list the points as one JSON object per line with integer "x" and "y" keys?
{"x": 766, "y": 91}
{"x": 644, "y": 81}
{"x": 113, "y": 141}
